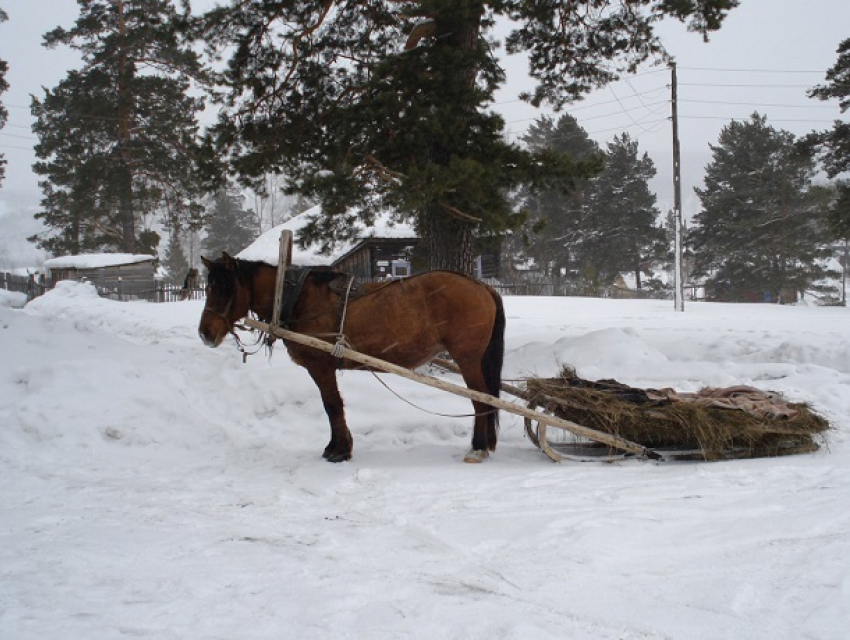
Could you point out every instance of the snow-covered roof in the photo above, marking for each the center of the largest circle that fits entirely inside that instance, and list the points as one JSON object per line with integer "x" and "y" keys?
{"x": 96, "y": 260}
{"x": 266, "y": 248}
{"x": 630, "y": 281}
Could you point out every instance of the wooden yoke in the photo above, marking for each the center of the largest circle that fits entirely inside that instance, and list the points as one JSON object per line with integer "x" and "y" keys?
{"x": 284, "y": 260}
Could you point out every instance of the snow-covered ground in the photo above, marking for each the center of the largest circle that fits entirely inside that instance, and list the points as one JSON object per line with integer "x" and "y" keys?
{"x": 152, "y": 487}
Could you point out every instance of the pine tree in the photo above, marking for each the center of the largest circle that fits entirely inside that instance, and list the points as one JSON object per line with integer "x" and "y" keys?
{"x": 117, "y": 139}
{"x": 838, "y": 215}
{"x": 230, "y": 226}
{"x": 760, "y": 232}
{"x": 175, "y": 261}
{"x": 554, "y": 220}
{"x": 621, "y": 229}
{"x": 839, "y": 222}
{"x": 4, "y": 114}
{"x": 834, "y": 148}
{"x": 835, "y": 143}
{"x": 372, "y": 105}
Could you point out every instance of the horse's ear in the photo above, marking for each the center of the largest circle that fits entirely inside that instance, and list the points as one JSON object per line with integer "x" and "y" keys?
{"x": 207, "y": 263}
{"x": 228, "y": 261}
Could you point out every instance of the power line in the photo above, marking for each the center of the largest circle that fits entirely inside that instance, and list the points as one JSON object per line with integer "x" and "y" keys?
{"x": 600, "y": 104}
{"x": 643, "y": 105}
{"x": 623, "y": 79}
{"x": 13, "y": 135}
{"x": 820, "y": 71}
{"x": 14, "y": 146}
{"x": 818, "y": 121}
{"x": 761, "y": 104}
{"x": 623, "y": 111}
{"x": 595, "y": 104}
{"x": 745, "y": 85}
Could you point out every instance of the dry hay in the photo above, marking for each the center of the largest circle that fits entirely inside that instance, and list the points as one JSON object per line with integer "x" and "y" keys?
{"x": 712, "y": 424}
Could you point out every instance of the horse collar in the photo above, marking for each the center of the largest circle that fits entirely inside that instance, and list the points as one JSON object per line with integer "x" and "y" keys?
{"x": 293, "y": 282}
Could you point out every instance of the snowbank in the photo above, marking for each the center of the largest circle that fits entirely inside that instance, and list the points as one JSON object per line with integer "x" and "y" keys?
{"x": 13, "y": 299}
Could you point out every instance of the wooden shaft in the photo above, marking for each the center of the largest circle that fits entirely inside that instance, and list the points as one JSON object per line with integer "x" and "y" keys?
{"x": 284, "y": 260}
{"x": 485, "y": 398}
{"x": 448, "y": 365}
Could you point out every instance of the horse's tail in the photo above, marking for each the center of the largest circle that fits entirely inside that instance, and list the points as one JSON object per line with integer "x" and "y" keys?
{"x": 494, "y": 355}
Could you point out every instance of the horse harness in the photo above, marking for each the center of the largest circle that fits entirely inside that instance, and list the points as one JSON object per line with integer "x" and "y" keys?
{"x": 347, "y": 287}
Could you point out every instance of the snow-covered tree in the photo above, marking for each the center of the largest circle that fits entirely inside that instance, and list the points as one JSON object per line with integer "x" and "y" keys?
{"x": 554, "y": 217}
{"x": 175, "y": 261}
{"x": 230, "y": 227}
{"x": 387, "y": 104}
{"x": 118, "y": 137}
{"x": 835, "y": 143}
{"x": 760, "y": 231}
{"x": 621, "y": 230}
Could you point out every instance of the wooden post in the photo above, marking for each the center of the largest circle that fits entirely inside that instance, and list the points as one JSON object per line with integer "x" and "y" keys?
{"x": 284, "y": 260}
{"x": 544, "y": 419}
{"x": 679, "y": 284}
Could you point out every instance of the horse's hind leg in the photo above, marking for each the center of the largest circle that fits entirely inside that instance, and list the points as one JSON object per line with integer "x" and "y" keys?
{"x": 340, "y": 446}
{"x": 484, "y": 435}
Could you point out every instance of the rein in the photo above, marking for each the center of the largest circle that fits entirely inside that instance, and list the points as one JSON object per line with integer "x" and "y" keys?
{"x": 424, "y": 410}
{"x": 259, "y": 343}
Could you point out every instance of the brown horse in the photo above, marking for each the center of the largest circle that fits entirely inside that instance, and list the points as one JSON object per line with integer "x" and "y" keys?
{"x": 190, "y": 283}
{"x": 406, "y": 322}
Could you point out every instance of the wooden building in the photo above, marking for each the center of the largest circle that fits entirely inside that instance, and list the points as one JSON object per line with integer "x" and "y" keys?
{"x": 376, "y": 257}
{"x": 384, "y": 250}
{"x": 123, "y": 273}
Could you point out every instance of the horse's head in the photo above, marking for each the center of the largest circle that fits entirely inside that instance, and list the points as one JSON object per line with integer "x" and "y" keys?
{"x": 228, "y": 298}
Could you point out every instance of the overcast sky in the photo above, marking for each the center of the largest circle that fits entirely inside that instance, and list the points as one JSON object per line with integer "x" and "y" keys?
{"x": 768, "y": 53}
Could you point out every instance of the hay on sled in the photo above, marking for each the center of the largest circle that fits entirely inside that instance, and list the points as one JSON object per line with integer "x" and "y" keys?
{"x": 735, "y": 422}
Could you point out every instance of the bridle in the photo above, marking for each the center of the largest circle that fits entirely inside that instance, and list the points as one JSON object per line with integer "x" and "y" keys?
{"x": 223, "y": 314}
{"x": 232, "y": 326}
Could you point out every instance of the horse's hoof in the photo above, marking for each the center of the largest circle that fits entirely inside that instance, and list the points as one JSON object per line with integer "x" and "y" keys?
{"x": 337, "y": 457}
{"x": 476, "y": 456}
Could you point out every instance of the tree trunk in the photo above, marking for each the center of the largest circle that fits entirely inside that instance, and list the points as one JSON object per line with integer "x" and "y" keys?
{"x": 125, "y": 208}
{"x": 125, "y": 176}
{"x": 448, "y": 238}
{"x": 449, "y": 242}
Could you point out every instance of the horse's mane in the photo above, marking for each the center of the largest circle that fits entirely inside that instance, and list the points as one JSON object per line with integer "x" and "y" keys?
{"x": 247, "y": 269}
{"x": 324, "y": 275}
{"x": 245, "y": 272}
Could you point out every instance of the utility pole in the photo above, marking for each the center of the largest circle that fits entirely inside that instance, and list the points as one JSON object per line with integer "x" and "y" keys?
{"x": 678, "y": 283}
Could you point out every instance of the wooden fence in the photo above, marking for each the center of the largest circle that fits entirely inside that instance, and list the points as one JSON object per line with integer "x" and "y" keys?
{"x": 158, "y": 292}
{"x": 34, "y": 286}
{"x": 31, "y": 285}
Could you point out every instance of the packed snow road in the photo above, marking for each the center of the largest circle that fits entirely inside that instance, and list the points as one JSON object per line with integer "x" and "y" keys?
{"x": 153, "y": 487}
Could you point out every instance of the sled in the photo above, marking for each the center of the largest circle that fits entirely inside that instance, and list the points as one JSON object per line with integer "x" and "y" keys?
{"x": 712, "y": 424}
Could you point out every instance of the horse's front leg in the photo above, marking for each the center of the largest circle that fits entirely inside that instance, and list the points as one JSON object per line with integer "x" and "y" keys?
{"x": 339, "y": 448}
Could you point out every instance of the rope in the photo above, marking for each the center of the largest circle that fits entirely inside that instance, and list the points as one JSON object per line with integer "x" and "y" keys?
{"x": 433, "y": 413}
{"x": 341, "y": 341}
